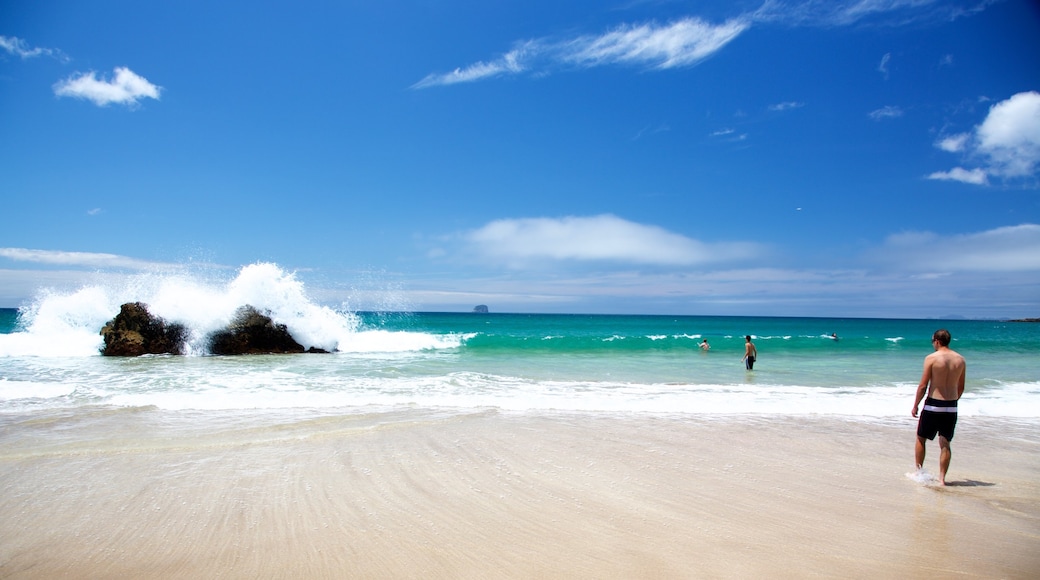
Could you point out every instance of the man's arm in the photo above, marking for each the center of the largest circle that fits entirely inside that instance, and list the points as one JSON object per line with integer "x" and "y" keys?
{"x": 960, "y": 383}
{"x": 922, "y": 387}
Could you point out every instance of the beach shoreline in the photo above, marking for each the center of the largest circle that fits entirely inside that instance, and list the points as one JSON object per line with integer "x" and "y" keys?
{"x": 490, "y": 494}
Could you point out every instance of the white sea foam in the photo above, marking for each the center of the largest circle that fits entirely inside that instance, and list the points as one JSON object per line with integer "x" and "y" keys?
{"x": 27, "y": 390}
{"x": 68, "y": 324}
{"x": 922, "y": 477}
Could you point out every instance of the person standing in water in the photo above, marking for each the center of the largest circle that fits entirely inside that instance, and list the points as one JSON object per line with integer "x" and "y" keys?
{"x": 704, "y": 345}
{"x": 943, "y": 382}
{"x": 750, "y": 353}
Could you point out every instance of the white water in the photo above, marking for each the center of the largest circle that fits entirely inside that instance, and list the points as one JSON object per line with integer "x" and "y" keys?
{"x": 67, "y": 325}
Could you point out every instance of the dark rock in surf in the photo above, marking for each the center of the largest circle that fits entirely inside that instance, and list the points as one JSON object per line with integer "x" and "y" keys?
{"x": 253, "y": 332}
{"x": 135, "y": 331}
{"x": 481, "y": 308}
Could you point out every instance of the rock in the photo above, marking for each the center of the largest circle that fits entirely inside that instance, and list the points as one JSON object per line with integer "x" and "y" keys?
{"x": 135, "y": 331}
{"x": 481, "y": 308}
{"x": 253, "y": 332}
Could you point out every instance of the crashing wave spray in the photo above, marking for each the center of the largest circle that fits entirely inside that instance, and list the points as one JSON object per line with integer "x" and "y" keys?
{"x": 58, "y": 324}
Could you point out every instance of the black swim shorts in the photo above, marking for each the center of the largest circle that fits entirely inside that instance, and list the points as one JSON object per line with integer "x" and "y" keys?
{"x": 937, "y": 417}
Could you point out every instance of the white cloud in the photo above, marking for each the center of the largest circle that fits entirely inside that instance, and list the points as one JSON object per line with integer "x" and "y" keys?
{"x": 954, "y": 143}
{"x": 81, "y": 259}
{"x": 883, "y": 65}
{"x": 1006, "y": 249}
{"x": 1007, "y": 142}
{"x": 1010, "y": 135}
{"x": 651, "y": 131}
{"x": 125, "y": 88}
{"x": 681, "y": 43}
{"x": 689, "y": 40}
{"x": 19, "y": 47}
{"x": 834, "y": 13}
{"x": 887, "y": 112}
{"x": 974, "y": 176}
{"x": 786, "y": 106}
{"x": 598, "y": 238}
{"x": 510, "y": 63}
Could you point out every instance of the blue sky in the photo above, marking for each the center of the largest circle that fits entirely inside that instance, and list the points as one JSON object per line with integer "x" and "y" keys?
{"x": 816, "y": 158}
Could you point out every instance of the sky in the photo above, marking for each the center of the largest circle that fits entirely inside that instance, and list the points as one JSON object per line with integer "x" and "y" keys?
{"x": 849, "y": 158}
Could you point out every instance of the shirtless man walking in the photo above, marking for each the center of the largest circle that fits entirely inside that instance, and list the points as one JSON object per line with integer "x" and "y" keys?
{"x": 943, "y": 381}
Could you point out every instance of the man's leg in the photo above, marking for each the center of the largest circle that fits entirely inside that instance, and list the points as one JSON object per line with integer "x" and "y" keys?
{"x": 919, "y": 452}
{"x": 944, "y": 458}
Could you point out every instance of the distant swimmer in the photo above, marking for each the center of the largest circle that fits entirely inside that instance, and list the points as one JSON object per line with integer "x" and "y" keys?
{"x": 943, "y": 381}
{"x": 705, "y": 345}
{"x": 750, "y": 353}
{"x": 834, "y": 336}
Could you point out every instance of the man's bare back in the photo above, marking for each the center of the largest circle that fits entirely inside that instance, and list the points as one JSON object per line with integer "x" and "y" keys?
{"x": 944, "y": 372}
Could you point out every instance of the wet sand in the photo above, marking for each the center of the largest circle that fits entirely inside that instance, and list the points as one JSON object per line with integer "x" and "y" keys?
{"x": 490, "y": 495}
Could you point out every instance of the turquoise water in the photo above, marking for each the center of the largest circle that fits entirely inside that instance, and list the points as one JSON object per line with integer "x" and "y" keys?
{"x": 49, "y": 359}
{"x": 8, "y": 320}
{"x": 793, "y": 351}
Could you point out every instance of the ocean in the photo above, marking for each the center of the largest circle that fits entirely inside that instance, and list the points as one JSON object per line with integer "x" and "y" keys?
{"x": 464, "y": 445}
{"x": 466, "y": 361}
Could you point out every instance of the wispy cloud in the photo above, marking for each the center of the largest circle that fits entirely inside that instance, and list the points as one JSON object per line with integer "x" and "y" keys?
{"x": 80, "y": 259}
{"x": 886, "y": 112}
{"x": 682, "y": 43}
{"x": 911, "y": 274}
{"x": 125, "y": 88}
{"x": 649, "y": 130}
{"x": 728, "y": 135}
{"x": 510, "y": 63}
{"x": 598, "y": 238}
{"x": 1006, "y": 249}
{"x": 1007, "y": 142}
{"x": 974, "y": 176}
{"x": 688, "y": 41}
{"x": 838, "y": 13}
{"x": 883, "y": 65}
{"x": 785, "y": 106}
{"x": 21, "y": 48}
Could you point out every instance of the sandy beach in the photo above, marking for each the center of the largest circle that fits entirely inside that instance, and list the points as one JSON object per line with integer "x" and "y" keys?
{"x": 420, "y": 494}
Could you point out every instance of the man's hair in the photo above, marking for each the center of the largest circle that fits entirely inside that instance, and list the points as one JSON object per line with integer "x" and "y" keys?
{"x": 748, "y": 337}
{"x": 943, "y": 336}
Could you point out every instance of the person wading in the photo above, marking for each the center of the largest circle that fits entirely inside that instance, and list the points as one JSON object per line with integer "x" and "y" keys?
{"x": 943, "y": 382}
